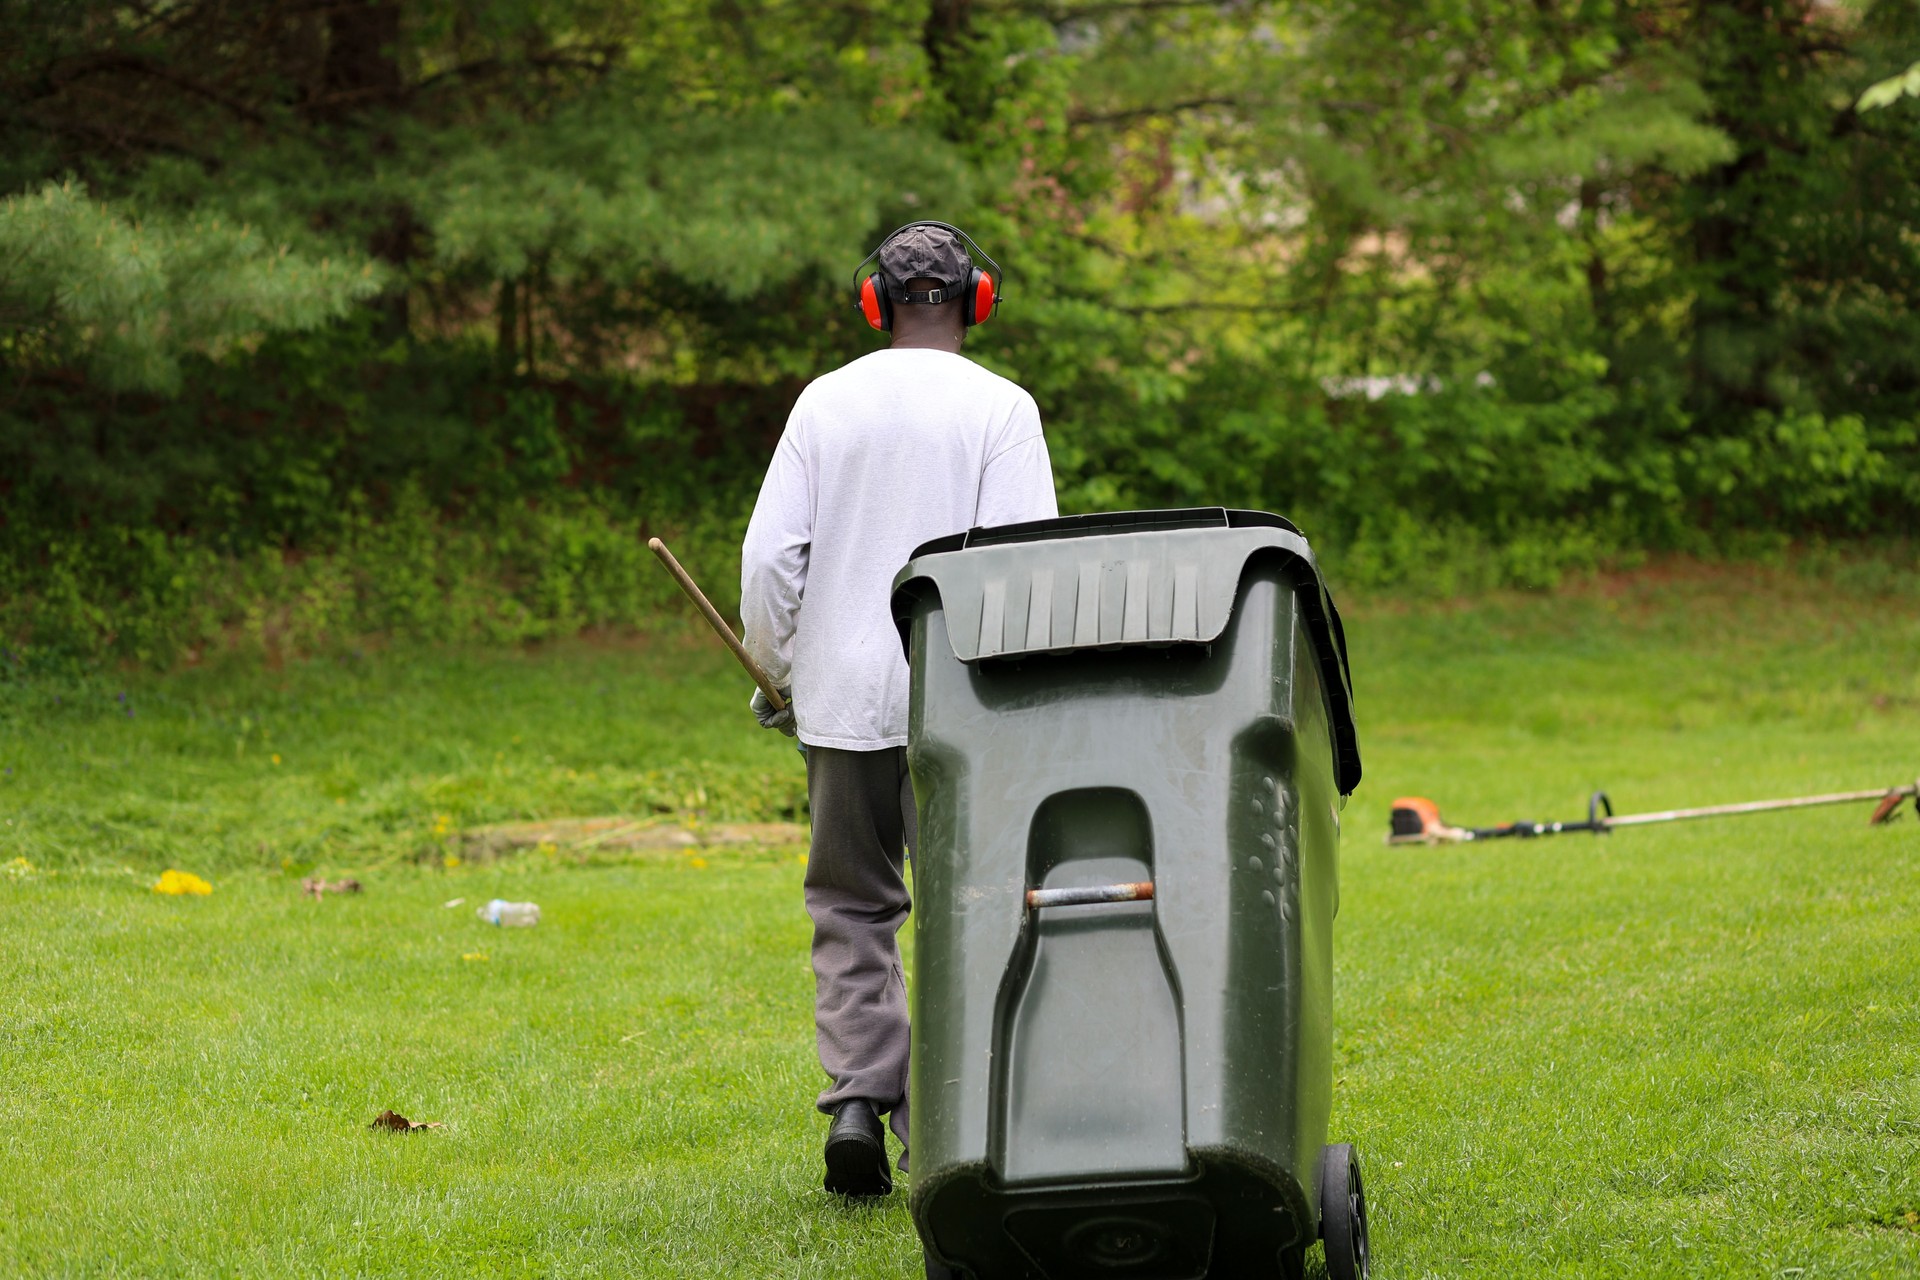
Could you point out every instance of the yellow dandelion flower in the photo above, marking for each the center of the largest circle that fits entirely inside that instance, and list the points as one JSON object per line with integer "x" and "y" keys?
{"x": 181, "y": 882}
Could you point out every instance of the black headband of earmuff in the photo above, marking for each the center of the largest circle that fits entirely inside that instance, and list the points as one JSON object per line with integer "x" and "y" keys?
{"x": 972, "y": 248}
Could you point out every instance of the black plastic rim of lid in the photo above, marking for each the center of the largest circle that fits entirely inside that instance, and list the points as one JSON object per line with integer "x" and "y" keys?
{"x": 1105, "y": 522}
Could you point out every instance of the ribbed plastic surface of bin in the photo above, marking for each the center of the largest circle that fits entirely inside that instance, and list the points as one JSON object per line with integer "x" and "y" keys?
{"x": 1152, "y": 708}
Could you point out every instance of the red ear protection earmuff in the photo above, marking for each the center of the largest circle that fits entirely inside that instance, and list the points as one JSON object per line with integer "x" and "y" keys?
{"x": 979, "y": 298}
{"x": 876, "y": 302}
{"x": 982, "y": 297}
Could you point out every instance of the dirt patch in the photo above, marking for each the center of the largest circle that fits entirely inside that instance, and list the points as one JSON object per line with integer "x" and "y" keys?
{"x": 618, "y": 833}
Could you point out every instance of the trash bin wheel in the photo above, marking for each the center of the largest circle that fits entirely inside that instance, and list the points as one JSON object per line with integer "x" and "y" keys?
{"x": 1343, "y": 1213}
{"x": 939, "y": 1270}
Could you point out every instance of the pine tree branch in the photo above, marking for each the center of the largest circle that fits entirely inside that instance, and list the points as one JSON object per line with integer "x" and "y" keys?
{"x": 597, "y": 59}
{"x": 107, "y": 63}
{"x": 1225, "y": 308}
{"x": 127, "y": 141}
{"x": 163, "y": 17}
{"x": 1161, "y": 109}
{"x": 1060, "y": 15}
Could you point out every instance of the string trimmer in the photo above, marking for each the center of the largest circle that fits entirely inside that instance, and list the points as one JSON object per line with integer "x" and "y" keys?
{"x": 1416, "y": 820}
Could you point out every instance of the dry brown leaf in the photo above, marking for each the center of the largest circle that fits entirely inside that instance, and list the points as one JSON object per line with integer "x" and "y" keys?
{"x": 394, "y": 1122}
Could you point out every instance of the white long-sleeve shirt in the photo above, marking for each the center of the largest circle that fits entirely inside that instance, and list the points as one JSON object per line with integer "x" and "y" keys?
{"x": 879, "y": 456}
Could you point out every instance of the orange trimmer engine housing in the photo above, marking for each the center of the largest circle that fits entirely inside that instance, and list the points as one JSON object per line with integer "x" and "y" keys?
{"x": 1416, "y": 818}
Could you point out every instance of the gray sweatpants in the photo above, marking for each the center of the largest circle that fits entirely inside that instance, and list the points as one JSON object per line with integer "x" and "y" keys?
{"x": 863, "y": 819}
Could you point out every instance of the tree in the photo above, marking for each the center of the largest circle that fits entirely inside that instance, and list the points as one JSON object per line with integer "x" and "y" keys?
{"x": 1539, "y": 279}
{"x": 481, "y": 159}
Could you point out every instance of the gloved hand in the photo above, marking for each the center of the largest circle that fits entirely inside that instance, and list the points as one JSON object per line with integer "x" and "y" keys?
{"x": 769, "y": 718}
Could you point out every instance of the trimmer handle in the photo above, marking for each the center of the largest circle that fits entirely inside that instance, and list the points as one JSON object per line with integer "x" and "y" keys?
{"x": 1595, "y": 803}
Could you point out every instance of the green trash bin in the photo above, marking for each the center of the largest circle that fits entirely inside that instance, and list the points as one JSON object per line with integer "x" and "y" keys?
{"x": 1130, "y": 737}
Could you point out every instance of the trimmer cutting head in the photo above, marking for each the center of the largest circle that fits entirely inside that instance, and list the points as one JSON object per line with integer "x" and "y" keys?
{"x": 1889, "y": 807}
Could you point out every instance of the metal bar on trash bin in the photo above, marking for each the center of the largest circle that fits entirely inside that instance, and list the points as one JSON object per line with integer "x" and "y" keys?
{"x": 1140, "y": 891}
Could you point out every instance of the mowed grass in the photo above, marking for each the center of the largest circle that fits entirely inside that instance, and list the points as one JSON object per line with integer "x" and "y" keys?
{"x": 361, "y": 758}
{"x": 1690, "y": 1050}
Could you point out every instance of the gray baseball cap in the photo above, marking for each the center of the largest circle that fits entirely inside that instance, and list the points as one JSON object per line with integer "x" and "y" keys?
{"x": 932, "y": 253}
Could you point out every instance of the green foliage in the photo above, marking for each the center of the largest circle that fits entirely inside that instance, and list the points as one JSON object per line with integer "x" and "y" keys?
{"x": 522, "y": 573}
{"x": 1889, "y": 91}
{"x": 84, "y": 282}
{"x": 735, "y": 205}
{"x": 1514, "y": 286}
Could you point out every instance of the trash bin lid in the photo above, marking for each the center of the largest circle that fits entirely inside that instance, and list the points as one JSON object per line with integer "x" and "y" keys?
{"x": 1116, "y": 579}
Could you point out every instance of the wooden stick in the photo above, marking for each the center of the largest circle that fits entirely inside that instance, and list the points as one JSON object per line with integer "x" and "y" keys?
{"x": 718, "y": 623}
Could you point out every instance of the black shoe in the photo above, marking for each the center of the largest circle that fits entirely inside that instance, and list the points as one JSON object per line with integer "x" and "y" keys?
{"x": 857, "y": 1152}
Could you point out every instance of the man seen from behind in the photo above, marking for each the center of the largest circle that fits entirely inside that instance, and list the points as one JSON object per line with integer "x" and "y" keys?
{"x": 901, "y": 446}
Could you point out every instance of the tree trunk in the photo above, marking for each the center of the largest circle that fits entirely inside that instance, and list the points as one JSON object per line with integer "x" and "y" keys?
{"x": 362, "y": 70}
{"x": 1755, "y": 66}
{"x": 506, "y": 315}
{"x": 362, "y": 78}
{"x": 947, "y": 23}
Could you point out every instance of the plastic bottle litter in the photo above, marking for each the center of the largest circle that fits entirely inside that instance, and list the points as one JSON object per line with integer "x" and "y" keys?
{"x": 510, "y": 915}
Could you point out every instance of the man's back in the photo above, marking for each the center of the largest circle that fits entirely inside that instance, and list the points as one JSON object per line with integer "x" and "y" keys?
{"x": 898, "y": 447}
{"x": 907, "y": 444}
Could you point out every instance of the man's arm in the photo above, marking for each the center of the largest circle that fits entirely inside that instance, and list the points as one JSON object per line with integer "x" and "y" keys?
{"x": 1017, "y": 483}
{"x": 773, "y": 559}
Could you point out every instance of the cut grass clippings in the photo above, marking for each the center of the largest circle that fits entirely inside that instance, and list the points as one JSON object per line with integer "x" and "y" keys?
{"x": 1680, "y": 1051}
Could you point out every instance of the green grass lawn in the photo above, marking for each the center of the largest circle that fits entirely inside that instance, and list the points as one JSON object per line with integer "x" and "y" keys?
{"x": 1676, "y": 1051}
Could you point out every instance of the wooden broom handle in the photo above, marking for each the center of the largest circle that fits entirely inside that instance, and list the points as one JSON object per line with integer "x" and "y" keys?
{"x": 718, "y": 623}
